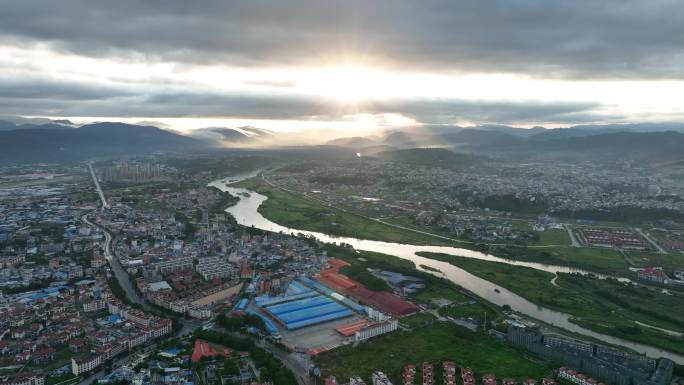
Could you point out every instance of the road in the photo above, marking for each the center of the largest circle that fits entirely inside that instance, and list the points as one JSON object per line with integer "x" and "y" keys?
{"x": 189, "y": 325}
{"x": 97, "y": 186}
{"x": 571, "y": 234}
{"x": 299, "y": 366}
{"x": 118, "y": 362}
{"x": 297, "y": 363}
{"x": 651, "y": 241}
{"x": 115, "y": 265}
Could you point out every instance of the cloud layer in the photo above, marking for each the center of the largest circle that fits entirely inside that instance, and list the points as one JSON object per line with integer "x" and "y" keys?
{"x": 583, "y": 38}
{"x": 536, "y": 39}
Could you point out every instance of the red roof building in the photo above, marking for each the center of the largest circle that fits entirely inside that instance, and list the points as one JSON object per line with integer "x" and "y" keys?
{"x": 348, "y": 330}
{"x": 203, "y": 349}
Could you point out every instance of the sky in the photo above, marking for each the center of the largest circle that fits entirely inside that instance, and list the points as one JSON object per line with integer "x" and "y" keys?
{"x": 347, "y": 66}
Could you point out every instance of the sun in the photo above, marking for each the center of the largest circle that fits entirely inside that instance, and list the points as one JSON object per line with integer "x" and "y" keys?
{"x": 350, "y": 84}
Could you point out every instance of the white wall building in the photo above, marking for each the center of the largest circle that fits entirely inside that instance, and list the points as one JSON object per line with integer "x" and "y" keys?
{"x": 376, "y": 330}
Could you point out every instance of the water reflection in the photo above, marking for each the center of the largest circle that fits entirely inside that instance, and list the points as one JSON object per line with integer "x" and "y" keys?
{"x": 246, "y": 214}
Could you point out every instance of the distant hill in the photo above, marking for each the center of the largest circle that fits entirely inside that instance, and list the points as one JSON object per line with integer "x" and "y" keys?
{"x": 56, "y": 143}
{"x": 257, "y": 132}
{"x": 641, "y": 146}
{"x": 476, "y": 137}
{"x": 64, "y": 121}
{"x": 353, "y": 142}
{"x": 241, "y": 136}
{"x": 514, "y": 131}
{"x": 642, "y": 142}
{"x": 372, "y": 150}
{"x": 639, "y": 143}
{"x": 430, "y": 157}
{"x": 219, "y": 134}
{"x": 417, "y": 137}
{"x": 632, "y": 127}
{"x": 6, "y": 125}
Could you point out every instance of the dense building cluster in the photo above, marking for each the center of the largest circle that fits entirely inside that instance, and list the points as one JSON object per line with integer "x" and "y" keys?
{"x": 563, "y": 186}
{"x": 605, "y": 363}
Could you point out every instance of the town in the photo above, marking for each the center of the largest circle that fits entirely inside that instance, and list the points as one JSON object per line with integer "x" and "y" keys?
{"x": 342, "y": 192}
{"x": 154, "y": 283}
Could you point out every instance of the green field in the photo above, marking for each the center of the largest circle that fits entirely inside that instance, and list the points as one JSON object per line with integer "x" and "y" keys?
{"x": 437, "y": 342}
{"x": 553, "y": 247}
{"x": 551, "y": 237}
{"x": 418, "y": 320}
{"x": 360, "y": 274}
{"x": 607, "y": 306}
{"x": 66, "y": 379}
{"x": 670, "y": 261}
{"x": 592, "y": 259}
{"x": 474, "y": 310}
{"x": 299, "y": 212}
{"x": 303, "y": 213}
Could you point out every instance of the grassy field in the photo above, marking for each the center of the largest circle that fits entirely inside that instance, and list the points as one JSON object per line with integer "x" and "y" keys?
{"x": 437, "y": 342}
{"x": 546, "y": 238}
{"x": 669, "y": 261}
{"x": 471, "y": 309}
{"x": 67, "y": 379}
{"x": 592, "y": 259}
{"x": 552, "y": 237}
{"x": 607, "y": 306}
{"x": 358, "y": 273}
{"x": 16, "y": 183}
{"x": 418, "y": 320}
{"x": 299, "y": 212}
{"x": 558, "y": 252}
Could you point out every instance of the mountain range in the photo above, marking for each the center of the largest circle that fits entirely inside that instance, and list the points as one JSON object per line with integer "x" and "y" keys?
{"x": 645, "y": 142}
{"x": 241, "y": 136}
{"x": 55, "y": 142}
{"x": 60, "y": 140}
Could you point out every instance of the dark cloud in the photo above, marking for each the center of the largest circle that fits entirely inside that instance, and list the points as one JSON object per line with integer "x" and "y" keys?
{"x": 23, "y": 88}
{"x": 449, "y": 110}
{"x": 64, "y": 99}
{"x": 580, "y": 38}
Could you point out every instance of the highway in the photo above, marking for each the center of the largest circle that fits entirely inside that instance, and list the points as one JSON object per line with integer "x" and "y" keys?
{"x": 97, "y": 186}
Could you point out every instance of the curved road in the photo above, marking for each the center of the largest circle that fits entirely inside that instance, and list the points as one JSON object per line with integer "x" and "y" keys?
{"x": 189, "y": 325}
{"x": 119, "y": 273}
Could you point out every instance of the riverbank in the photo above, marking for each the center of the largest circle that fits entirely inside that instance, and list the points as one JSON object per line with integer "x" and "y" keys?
{"x": 428, "y": 339}
{"x": 306, "y": 213}
{"x": 437, "y": 290}
{"x": 602, "y": 305}
{"x": 246, "y": 214}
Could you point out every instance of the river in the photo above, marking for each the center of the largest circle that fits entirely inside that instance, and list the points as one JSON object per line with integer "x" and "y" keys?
{"x": 246, "y": 214}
